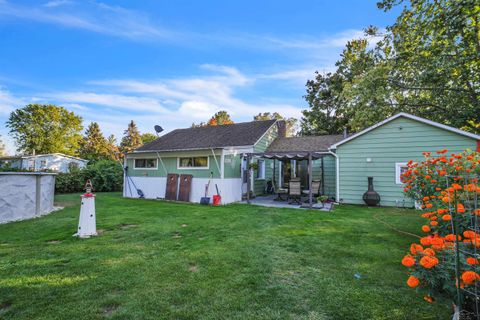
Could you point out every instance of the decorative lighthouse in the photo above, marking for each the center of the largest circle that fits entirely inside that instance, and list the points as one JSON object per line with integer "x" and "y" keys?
{"x": 87, "y": 225}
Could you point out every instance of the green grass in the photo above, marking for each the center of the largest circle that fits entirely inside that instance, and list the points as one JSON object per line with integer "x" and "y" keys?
{"x": 158, "y": 260}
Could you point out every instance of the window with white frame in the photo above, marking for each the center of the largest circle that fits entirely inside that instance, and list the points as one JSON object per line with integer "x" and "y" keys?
{"x": 145, "y": 164}
{"x": 193, "y": 163}
{"x": 400, "y": 169}
{"x": 261, "y": 169}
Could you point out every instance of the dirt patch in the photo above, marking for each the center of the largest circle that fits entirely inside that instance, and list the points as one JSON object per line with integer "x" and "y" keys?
{"x": 193, "y": 268}
{"x": 54, "y": 241}
{"x": 128, "y": 226}
{"x": 5, "y": 306}
{"x": 108, "y": 310}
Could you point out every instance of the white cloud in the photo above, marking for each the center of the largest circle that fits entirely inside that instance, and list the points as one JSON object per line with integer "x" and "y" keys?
{"x": 57, "y": 3}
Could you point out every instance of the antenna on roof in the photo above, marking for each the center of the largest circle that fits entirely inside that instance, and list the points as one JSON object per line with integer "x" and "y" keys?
{"x": 158, "y": 129}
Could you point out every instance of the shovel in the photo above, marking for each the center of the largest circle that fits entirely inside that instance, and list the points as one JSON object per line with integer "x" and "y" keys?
{"x": 206, "y": 200}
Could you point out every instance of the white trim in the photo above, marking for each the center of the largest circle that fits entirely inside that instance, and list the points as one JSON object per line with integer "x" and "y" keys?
{"x": 193, "y": 168}
{"x": 398, "y": 166}
{"x": 140, "y": 168}
{"x": 262, "y": 177}
{"x": 412, "y": 117}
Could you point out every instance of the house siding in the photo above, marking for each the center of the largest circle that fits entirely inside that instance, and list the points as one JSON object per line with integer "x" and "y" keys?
{"x": 261, "y": 146}
{"x": 397, "y": 141}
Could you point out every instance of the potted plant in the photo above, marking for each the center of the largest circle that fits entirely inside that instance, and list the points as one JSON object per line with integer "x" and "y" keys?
{"x": 322, "y": 198}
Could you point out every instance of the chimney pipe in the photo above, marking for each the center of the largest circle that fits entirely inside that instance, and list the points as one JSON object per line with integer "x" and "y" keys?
{"x": 345, "y": 133}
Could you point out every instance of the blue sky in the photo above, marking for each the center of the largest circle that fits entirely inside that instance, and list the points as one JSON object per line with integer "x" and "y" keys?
{"x": 171, "y": 62}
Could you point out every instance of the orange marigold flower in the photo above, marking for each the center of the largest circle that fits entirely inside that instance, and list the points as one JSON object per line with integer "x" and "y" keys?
{"x": 426, "y": 241}
{"x": 415, "y": 248}
{"x": 472, "y": 260}
{"x": 428, "y": 177}
{"x": 426, "y": 198}
{"x": 446, "y": 217}
{"x": 469, "y": 277}
{"x": 428, "y": 262}
{"x": 434, "y": 217}
{"x": 442, "y": 151}
{"x": 477, "y": 212}
{"x": 438, "y": 189}
{"x": 408, "y": 261}
{"x": 437, "y": 242}
{"x": 456, "y": 186}
{"x": 429, "y": 252}
{"x": 469, "y": 234}
{"x": 429, "y": 205}
{"x": 460, "y": 208}
{"x": 446, "y": 199}
{"x": 425, "y": 228}
{"x": 413, "y": 282}
{"x": 434, "y": 223}
{"x": 429, "y": 299}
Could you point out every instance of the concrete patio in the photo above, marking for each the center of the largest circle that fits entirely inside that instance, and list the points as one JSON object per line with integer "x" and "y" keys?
{"x": 270, "y": 201}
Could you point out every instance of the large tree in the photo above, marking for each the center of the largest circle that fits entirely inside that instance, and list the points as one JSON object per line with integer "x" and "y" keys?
{"x": 148, "y": 137}
{"x": 2, "y": 147}
{"x": 131, "y": 139}
{"x": 324, "y": 115}
{"x": 45, "y": 129}
{"x": 94, "y": 146}
{"x": 220, "y": 118}
{"x": 290, "y": 122}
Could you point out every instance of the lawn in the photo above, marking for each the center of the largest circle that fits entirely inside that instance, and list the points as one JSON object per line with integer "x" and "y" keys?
{"x": 158, "y": 260}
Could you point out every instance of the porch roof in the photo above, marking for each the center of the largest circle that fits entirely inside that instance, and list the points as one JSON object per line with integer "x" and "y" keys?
{"x": 294, "y": 155}
{"x": 304, "y": 144}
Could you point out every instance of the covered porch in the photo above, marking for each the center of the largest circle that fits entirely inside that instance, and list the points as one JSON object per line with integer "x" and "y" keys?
{"x": 271, "y": 201}
{"x": 291, "y": 185}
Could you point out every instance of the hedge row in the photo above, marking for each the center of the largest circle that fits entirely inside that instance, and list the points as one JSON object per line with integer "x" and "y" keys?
{"x": 105, "y": 175}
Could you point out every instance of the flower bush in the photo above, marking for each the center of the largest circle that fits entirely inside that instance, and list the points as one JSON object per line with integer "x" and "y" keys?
{"x": 446, "y": 187}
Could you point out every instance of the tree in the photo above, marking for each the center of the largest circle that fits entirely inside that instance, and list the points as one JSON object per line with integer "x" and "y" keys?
{"x": 94, "y": 146}
{"x": 220, "y": 118}
{"x": 290, "y": 122}
{"x": 325, "y": 113}
{"x": 45, "y": 129}
{"x": 148, "y": 137}
{"x": 131, "y": 139}
{"x": 2, "y": 147}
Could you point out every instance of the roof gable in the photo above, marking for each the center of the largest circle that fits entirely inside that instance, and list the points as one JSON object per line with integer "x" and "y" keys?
{"x": 412, "y": 117}
{"x": 232, "y": 135}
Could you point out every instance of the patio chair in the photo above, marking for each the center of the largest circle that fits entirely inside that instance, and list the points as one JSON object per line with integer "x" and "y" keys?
{"x": 315, "y": 190}
{"x": 294, "y": 192}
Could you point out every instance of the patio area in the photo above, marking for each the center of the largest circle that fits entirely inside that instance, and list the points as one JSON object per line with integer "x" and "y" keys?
{"x": 270, "y": 201}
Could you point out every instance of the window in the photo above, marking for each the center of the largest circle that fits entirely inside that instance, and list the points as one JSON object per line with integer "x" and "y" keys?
{"x": 149, "y": 164}
{"x": 43, "y": 164}
{"x": 261, "y": 169}
{"x": 400, "y": 168}
{"x": 193, "y": 163}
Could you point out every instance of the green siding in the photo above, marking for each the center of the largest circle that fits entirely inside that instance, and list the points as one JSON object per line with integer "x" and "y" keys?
{"x": 330, "y": 175}
{"x": 233, "y": 164}
{"x": 261, "y": 146}
{"x": 397, "y": 141}
{"x": 170, "y": 161}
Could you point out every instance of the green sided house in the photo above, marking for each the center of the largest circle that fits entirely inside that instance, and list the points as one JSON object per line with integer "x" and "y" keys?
{"x": 223, "y": 154}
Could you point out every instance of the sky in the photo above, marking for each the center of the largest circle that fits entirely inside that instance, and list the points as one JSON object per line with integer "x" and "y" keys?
{"x": 171, "y": 63}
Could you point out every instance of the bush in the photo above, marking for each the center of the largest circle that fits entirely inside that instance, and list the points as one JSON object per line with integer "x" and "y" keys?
{"x": 105, "y": 175}
{"x": 446, "y": 187}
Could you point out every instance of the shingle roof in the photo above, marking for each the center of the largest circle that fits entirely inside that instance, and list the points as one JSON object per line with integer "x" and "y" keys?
{"x": 239, "y": 134}
{"x": 308, "y": 143}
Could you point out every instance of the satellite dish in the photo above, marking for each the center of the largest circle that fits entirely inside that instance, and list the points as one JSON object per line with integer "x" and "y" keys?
{"x": 158, "y": 129}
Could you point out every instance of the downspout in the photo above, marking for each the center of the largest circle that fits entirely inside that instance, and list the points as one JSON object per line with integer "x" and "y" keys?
{"x": 163, "y": 165}
{"x": 222, "y": 165}
{"x": 215, "y": 158}
{"x": 337, "y": 175}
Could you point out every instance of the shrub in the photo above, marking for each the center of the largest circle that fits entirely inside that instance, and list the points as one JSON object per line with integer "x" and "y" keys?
{"x": 105, "y": 175}
{"x": 446, "y": 187}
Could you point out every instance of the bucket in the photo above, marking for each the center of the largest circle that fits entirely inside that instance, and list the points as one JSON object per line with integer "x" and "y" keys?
{"x": 216, "y": 200}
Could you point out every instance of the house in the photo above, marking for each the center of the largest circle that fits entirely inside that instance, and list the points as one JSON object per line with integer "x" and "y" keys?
{"x": 343, "y": 164}
{"x": 56, "y": 162}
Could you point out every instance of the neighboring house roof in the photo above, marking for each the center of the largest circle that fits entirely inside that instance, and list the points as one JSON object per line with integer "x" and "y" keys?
{"x": 41, "y": 155}
{"x": 307, "y": 143}
{"x": 412, "y": 117}
{"x": 231, "y": 135}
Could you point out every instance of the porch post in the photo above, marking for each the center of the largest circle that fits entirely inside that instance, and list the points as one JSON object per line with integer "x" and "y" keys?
{"x": 248, "y": 178}
{"x": 310, "y": 180}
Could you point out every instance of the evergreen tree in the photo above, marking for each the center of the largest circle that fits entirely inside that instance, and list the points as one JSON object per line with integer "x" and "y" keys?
{"x": 94, "y": 146}
{"x": 148, "y": 137}
{"x": 131, "y": 139}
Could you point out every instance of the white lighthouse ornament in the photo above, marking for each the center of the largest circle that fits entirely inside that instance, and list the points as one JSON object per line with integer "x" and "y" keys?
{"x": 87, "y": 225}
